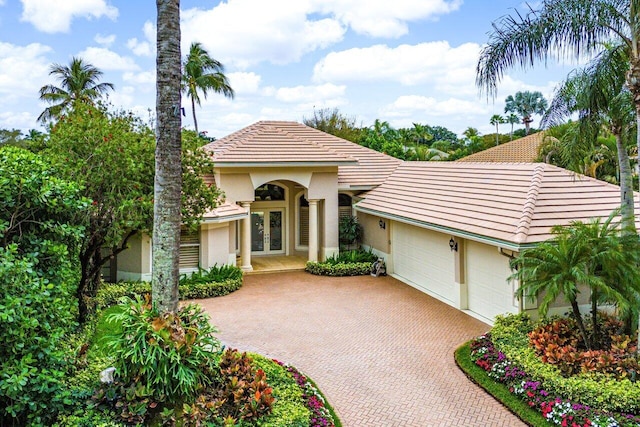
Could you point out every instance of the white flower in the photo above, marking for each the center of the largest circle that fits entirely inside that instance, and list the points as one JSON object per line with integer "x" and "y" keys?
{"x": 106, "y": 376}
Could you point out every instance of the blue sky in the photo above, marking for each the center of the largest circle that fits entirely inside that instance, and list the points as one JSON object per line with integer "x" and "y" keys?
{"x": 402, "y": 61}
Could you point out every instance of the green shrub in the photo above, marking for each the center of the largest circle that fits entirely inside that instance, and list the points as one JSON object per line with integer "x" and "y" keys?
{"x": 509, "y": 335}
{"x": 218, "y": 281}
{"x": 349, "y": 230}
{"x": 340, "y": 269}
{"x": 355, "y": 256}
{"x": 169, "y": 357}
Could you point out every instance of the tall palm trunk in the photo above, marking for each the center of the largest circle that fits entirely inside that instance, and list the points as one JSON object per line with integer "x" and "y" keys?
{"x": 626, "y": 187}
{"x": 583, "y": 330}
{"x": 168, "y": 177}
{"x": 193, "y": 110}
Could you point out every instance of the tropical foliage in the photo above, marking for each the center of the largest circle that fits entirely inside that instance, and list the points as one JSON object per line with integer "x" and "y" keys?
{"x": 78, "y": 85}
{"x": 202, "y": 73}
{"x": 526, "y": 104}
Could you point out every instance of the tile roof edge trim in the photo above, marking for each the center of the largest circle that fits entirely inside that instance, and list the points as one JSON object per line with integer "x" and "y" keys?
{"x": 447, "y": 230}
{"x": 269, "y": 164}
{"x": 221, "y": 219}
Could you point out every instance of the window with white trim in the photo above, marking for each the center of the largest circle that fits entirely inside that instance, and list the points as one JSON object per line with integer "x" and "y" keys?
{"x": 189, "y": 248}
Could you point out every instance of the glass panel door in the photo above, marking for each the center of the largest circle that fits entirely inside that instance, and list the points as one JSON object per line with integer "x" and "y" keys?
{"x": 267, "y": 233}
{"x": 275, "y": 231}
{"x": 257, "y": 231}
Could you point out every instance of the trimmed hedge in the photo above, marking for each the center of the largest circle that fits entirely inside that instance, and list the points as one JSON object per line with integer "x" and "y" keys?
{"x": 509, "y": 335}
{"x": 110, "y": 293}
{"x": 340, "y": 269}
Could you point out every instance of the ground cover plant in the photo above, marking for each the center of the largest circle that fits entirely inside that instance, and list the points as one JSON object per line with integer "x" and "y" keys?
{"x": 532, "y": 359}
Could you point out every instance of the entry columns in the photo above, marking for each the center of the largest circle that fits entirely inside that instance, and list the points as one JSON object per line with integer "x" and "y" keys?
{"x": 313, "y": 230}
{"x": 245, "y": 243}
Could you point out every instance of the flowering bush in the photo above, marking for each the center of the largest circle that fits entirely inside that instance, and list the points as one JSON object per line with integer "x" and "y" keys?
{"x": 320, "y": 414}
{"x": 557, "y": 410}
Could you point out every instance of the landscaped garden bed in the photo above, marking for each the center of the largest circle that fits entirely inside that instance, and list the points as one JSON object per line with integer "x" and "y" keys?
{"x": 348, "y": 263}
{"x": 546, "y": 365}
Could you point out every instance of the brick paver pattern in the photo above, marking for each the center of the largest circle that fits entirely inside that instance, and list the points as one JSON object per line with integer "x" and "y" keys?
{"x": 380, "y": 350}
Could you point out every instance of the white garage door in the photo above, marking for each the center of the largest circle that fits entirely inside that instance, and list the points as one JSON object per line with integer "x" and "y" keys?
{"x": 487, "y": 270}
{"x": 423, "y": 259}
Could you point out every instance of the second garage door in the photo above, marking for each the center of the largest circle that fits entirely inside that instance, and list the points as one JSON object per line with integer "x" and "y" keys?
{"x": 423, "y": 259}
{"x": 489, "y": 292}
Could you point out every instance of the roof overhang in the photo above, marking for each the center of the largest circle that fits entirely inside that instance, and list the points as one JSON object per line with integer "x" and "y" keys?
{"x": 219, "y": 164}
{"x": 505, "y": 244}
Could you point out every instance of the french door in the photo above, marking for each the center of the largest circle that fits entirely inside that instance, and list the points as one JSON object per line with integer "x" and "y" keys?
{"x": 267, "y": 232}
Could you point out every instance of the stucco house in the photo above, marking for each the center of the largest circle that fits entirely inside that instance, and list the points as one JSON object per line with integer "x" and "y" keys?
{"x": 445, "y": 228}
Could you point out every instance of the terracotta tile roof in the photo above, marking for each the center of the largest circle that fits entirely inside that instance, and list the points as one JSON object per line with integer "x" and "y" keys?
{"x": 225, "y": 212}
{"x": 519, "y": 150}
{"x": 279, "y": 143}
{"x": 514, "y": 203}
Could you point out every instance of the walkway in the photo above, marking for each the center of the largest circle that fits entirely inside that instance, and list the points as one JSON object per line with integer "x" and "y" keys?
{"x": 381, "y": 351}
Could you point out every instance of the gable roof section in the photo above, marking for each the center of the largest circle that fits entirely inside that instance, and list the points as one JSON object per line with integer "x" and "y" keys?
{"x": 278, "y": 143}
{"x": 514, "y": 204}
{"x": 519, "y": 150}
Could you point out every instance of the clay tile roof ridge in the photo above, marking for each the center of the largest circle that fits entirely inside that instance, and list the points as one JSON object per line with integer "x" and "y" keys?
{"x": 319, "y": 145}
{"x": 529, "y": 206}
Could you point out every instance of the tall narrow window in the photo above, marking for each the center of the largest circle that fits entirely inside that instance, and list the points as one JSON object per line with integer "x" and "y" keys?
{"x": 189, "y": 248}
{"x": 344, "y": 206}
{"x": 303, "y": 220}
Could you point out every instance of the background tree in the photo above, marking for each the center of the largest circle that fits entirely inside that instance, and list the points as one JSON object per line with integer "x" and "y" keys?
{"x": 526, "y": 104}
{"x": 78, "y": 85}
{"x": 202, "y": 73}
{"x": 333, "y": 122}
{"x": 580, "y": 27}
{"x": 598, "y": 95}
{"x": 496, "y": 120}
{"x": 111, "y": 157}
{"x": 168, "y": 170}
{"x": 512, "y": 119}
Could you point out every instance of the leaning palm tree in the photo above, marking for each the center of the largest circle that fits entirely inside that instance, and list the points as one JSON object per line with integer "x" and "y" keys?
{"x": 601, "y": 100}
{"x": 565, "y": 27}
{"x": 202, "y": 73}
{"x": 79, "y": 84}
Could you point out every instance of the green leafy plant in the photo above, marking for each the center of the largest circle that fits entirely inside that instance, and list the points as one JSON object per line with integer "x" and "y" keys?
{"x": 214, "y": 274}
{"x": 171, "y": 356}
{"x": 349, "y": 230}
{"x": 340, "y": 269}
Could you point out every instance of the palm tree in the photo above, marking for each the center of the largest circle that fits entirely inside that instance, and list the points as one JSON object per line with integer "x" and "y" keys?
{"x": 582, "y": 256}
{"x": 79, "y": 83}
{"x": 168, "y": 176}
{"x": 202, "y": 73}
{"x": 512, "y": 119}
{"x": 526, "y": 104}
{"x": 598, "y": 95}
{"x": 577, "y": 27}
{"x": 496, "y": 120}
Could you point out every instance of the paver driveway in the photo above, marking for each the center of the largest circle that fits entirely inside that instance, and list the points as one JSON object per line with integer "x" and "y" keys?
{"x": 381, "y": 351}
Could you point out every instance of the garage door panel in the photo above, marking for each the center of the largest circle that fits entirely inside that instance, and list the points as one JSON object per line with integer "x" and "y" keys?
{"x": 489, "y": 292}
{"x": 423, "y": 258}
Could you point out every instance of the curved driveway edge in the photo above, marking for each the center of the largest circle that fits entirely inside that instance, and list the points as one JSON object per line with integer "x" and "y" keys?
{"x": 380, "y": 350}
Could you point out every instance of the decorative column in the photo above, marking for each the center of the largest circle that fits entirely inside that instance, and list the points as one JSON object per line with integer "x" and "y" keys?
{"x": 313, "y": 230}
{"x": 245, "y": 243}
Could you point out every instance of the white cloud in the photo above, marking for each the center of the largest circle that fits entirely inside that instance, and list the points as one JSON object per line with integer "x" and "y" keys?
{"x": 23, "y": 70}
{"x": 244, "y": 83}
{"x": 56, "y": 16}
{"x": 106, "y": 59}
{"x": 20, "y": 120}
{"x": 141, "y": 79}
{"x": 381, "y": 18}
{"x": 276, "y": 31}
{"x": 105, "y": 40}
{"x": 314, "y": 94}
{"x": 437, "y": 63}
{"x": 144, "y": 47}
{"x": 410, "y": 104}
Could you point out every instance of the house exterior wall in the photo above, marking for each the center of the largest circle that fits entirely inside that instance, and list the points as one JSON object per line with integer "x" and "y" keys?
{"x": 214, "y": 245}
{"x": 135, "y": 262}
{"x": 375, "y": 237}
